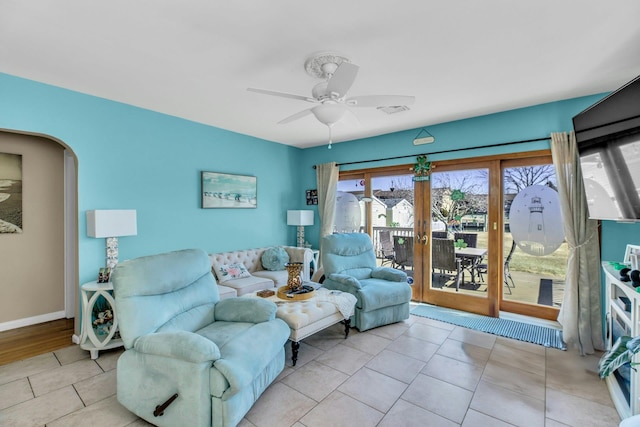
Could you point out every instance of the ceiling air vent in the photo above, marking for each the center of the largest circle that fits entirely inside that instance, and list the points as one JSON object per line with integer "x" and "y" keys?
{"x": 393, "y": 109}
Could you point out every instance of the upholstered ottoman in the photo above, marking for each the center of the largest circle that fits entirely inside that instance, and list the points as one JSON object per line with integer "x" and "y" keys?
{"x": 309, "y": 316}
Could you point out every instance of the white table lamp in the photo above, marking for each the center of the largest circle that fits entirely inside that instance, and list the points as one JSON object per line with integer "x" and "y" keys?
{"x": 111, "y": 224}
{"x": 300, "y": 219}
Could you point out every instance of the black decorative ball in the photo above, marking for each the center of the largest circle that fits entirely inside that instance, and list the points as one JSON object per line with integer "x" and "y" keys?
{"x": 624, "y": 274}
{"x": 635, "y": 278}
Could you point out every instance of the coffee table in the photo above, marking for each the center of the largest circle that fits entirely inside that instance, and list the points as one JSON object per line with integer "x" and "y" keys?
{"x": 312, "y": 315}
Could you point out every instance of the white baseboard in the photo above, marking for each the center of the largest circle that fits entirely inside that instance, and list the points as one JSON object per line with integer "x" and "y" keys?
{"x": 14, "y": 324}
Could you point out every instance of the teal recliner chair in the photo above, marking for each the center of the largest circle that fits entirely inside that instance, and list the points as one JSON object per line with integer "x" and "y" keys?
{"x": 191, "y": 359}
{"x": 349, "y": 264}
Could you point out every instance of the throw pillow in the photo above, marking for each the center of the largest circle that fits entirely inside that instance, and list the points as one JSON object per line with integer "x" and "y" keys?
{"x": 231, "y": 271}
{"x": 274, "y": 259}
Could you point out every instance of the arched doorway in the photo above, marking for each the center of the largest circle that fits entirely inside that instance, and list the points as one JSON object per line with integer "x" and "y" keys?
{"x": 40, "y": 279}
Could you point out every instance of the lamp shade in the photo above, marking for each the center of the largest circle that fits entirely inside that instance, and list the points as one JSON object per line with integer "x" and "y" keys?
{"x": 299, "y": 217}
{"x": 111, "y": 223}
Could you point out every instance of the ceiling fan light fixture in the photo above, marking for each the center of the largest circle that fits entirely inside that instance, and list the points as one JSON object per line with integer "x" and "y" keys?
{"x": 329, "y": 114}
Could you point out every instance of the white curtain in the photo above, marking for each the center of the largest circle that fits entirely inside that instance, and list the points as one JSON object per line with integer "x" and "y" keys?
{"x": 327, "y": 178}
{"x": 580, "y": 314}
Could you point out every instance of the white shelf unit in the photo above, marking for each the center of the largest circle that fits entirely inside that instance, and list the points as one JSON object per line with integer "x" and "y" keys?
{"x": 90, "y": 339}
{"x": 622, "y": 317}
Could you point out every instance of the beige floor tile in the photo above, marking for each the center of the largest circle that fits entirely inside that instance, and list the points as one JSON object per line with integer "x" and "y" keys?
{"x": 396, "y": 365}
{"x": 406, "y": 414}
{"x": 315, "y": 380}
{"x": 465, "y": 375}
{"x": 245, "y": 423}
{"x": 62, "y": 376}
{"x": 142, "y": 423}
{"x": 576, "y": 375}
{"x": 366, "y": 386}
{"x": 505, "y": 405}
{"x": 518, "y": 358}
{"x": 340, "y": 410}
{"x": 523, "y": 345}
{"x": 391, "y": 331}
{"x": 108, "y": 359}
{"x": 469, "y": 336}
{"x": 440, "y": 397}
{"x": 344, "y": 359}
{"x": 478, "y": 419}
{"x": 105, "y": 413}
{"x": 97, "y": 388}
{"x": 514, "y": 379}
{"x": 268, "y": 410}
{"x": 427, "y": 333}
{"x": 71, "y": 354}
{"x": 576, "y": 411}
{"x": 327, "y": 338}
{"x": 432, "y": 322}
{"x": 464, "y": 352}
{"x": 553, "y": 423}
{"x": 306, "y": 354}
{"x": 42, "y": 410}
{"x": 24, "y": 368}
{"x": 369, "y": 343}
{"x": 15, "y": 392}
{"x": 413, "y": 347}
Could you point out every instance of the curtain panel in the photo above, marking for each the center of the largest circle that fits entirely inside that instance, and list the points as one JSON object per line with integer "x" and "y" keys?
{"x": 580, "y": 314}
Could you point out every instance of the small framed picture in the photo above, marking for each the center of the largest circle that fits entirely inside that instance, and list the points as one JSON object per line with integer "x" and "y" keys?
{"x": 104, "y": 275}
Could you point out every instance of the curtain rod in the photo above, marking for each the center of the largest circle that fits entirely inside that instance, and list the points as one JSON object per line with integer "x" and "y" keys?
{"x": 501, "y": 144}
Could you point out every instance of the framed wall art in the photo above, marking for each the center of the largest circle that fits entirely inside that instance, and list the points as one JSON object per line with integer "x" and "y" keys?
{"x": 10, "y": 193}
{"x": 225, "y": 190}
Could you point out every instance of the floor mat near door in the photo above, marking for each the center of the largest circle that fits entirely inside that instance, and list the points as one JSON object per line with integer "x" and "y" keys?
{"x": 536, "y": 334}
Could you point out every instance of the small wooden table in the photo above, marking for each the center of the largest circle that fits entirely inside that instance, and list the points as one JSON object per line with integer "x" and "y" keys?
{"x": 312, "y": 315}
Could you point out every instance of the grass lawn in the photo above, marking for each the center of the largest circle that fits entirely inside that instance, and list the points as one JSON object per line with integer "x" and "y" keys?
{"x": 552, "y": 266}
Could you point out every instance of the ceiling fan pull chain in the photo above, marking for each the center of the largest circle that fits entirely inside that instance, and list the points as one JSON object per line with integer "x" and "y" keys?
{"x": 329, "y": 137}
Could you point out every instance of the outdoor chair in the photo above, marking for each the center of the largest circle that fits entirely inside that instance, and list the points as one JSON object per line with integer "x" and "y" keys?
{"x": 443, "y": 258}
{"x": 508, "y": 280}
{"x": 403, "y": 249}
{"x": 471, "y": 239}
{"x": 439, "y": 235}
{"x": 386, "y": 252}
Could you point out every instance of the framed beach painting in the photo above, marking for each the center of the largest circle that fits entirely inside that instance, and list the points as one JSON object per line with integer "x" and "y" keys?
{"x": 10, "y": 193}
{"x": 225, "y": 190}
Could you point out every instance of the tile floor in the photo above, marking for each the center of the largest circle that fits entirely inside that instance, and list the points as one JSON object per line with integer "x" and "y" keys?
{"x": 416, "y": 373}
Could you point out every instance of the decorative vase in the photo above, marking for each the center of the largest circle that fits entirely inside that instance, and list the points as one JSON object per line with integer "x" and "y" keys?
{"x": 294, "y": 281}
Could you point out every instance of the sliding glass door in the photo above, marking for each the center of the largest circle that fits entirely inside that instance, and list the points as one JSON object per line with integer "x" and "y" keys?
{"x": 481, "y": 235}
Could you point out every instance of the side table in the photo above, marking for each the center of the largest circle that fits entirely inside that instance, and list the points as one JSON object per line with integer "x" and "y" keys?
{"x": 102, "y": 334}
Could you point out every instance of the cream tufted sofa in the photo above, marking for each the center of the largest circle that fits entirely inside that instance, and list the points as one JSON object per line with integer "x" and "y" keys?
{"x": 260, "y": 278}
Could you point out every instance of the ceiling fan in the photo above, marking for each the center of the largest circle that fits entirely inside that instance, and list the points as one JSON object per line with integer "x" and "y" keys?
{"x": 338, "y": 75}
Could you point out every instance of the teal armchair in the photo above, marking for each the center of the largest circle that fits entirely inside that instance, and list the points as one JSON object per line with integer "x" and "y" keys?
{"x": 382, "y": 293}
{"x": 191, "y": 359}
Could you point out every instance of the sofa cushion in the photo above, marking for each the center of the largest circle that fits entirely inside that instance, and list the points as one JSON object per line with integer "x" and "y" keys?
{"x": 274, "y": 259}
{"x": 226, "y": 272}
{"x": 249, "y": 284}
{"x": 279, "y": 278}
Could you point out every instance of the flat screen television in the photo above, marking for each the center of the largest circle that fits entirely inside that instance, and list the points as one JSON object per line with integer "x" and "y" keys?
{"x": 608, "y": 138}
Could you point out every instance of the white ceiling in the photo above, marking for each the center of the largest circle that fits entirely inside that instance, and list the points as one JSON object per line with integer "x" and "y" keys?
{"x": 194, "y": 59}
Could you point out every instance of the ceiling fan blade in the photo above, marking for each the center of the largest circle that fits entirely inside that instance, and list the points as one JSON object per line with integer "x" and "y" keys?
{"x": 282, "y": 94}
{"x": 380, "y": 100}
{"x": 296, "y": 116}
{"x": 342, "y": 79}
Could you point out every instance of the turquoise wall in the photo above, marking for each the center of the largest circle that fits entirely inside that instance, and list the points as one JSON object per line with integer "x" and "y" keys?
{"x": 515, "y": 125}
{"x": 131, "y": 158}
